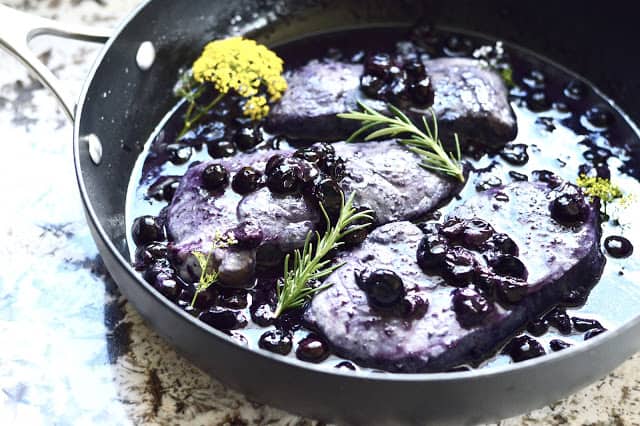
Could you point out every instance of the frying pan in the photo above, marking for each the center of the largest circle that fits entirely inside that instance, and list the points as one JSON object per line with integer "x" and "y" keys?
{"x": 121, "y": 104}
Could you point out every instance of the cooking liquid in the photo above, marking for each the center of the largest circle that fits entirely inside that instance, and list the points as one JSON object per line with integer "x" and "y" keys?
{"x": 556, "y": 122}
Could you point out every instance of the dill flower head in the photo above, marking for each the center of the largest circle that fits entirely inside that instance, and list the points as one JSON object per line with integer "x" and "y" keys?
{"x": 600, "y": 188}
{"x": 246, "y": 67}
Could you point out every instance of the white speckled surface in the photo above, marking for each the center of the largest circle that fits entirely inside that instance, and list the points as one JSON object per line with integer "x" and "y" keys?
{"x": 72, "y": 351}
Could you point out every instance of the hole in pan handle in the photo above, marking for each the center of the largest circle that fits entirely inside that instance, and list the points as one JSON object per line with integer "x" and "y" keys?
{"x": 18, "y": 28}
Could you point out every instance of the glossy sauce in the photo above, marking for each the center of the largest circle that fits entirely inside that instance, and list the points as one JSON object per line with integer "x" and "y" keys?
{"x": 564, "y": 126}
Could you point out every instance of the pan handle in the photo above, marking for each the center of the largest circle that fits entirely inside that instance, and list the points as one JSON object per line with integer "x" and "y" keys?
{"x": 18, "y": 28}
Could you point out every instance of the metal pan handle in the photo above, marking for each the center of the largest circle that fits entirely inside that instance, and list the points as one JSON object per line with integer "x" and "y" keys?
{"x": 18, "y": 28}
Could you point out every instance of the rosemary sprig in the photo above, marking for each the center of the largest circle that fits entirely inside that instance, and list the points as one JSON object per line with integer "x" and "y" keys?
{"x": 208, "y": 274}
{"x": 424, "y": 143}
{"x": 309, "y": 265}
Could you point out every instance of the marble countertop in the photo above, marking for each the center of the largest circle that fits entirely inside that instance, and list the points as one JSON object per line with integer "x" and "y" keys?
{"x": 72, "y": 350}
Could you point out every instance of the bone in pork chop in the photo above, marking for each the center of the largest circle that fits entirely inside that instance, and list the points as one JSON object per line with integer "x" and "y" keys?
{"x": 469, "y": 99}
{"x": 386, "y": 177}
{"x": 557, "y": 258}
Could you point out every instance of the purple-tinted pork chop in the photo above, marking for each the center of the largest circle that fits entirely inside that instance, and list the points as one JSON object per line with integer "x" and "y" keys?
{"x": 386, "y": 177}
{"x": 469, "y": 100}
{"x": 557, "y": 258}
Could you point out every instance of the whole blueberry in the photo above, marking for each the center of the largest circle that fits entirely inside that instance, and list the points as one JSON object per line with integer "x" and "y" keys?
{"x": 569, "y": 209}
{"x": 384, "y": 288}
{"x": 146, "y": 229}
{"x": 246, "y": 180}
{"x": 215, "y": 177}
{"x": 471, "y": 307}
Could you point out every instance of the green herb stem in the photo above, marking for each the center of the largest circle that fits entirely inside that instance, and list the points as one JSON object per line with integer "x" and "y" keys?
{"x": 189, "y": 121}
{"x": 424, "y": 143}
{"x": 309, "y": 265}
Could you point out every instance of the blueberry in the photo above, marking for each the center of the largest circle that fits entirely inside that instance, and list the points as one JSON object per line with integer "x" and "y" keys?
{"x": 164, "y": 188}
{"x": 569, "y": 209}
{"x": 593, "y": 333}
{"x": 178, "y": 153}
{"x": 262, "y": 314}
{"x": 221, "y": 149}
{"x": 215, "y": 177}
{"x": 534, "y": 79}
{"x": 458, "y": 46}
{"x": 459, "y": 266}
{"x": 233, "y": 298}
{"x": 310, "y": 154}
{"x": 618, "y": 246}
{"x": 510, "y": 291}
{"x": 503, "y": 244}
{"x": 537, "y": 101}
{"x": 538, "y": 327}
{"x": 551, "y": 179}
{"x": 515, "y": 154}
{"x": 166, "y": 282}
{"x": 422, "y": 94}
{"x": 276, "y": 341}
{"x": 246, "y": 138}
{"x": 471, "y": 307}
{"x": 431, "y": 253}
{"x": 476, "y": 232}
{"x": 522, "y": 348}
{"x": 509, "y": 266}
{"x": 146, "y": 254}
{"x": 576, "y": 90}
{"x": 223, "y": 319}
{"x": 399, "y": 91}
{"x": 585, "y": 324}
{"x": 518, "y": 177}
{"x": 384, "y": 288}
{"x": 600, "y": 117}
{"x": 372, "y": 86}
{"x": 453, "y": 228}
{"x": 346, "y": 365}
{"x": 284, "y": 178}
{"x": 273, "y": 162}
{"x": 329, "y": 194}
{"x": 413, "y": 306}
{"x": 378, "y": 65}
{"x": 333, "y": 166}
{"x": 558, "y": 345}
{"x": 312, "y": 349}
{"x": 246, "y": 180}
{"x": 146, "y": 229}
{"x": 415, "y": 70}
{"x": 559, "y": 319}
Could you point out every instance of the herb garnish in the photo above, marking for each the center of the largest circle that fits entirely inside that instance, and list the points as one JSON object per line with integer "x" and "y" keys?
{"x": 426, "y": 144}
{"x": 310, "y": 265}
{"x": 235, "y": 64}
{"x": 597, "y": 187}
{"x": 209, "y": 274}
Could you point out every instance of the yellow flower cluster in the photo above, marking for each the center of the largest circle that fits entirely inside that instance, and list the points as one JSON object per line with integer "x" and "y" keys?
{"x": 599, "y": 187}
{"x": 246, "y": 67}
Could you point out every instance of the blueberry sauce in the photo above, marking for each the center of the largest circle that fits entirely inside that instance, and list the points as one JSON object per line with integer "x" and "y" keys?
{"x": 565, "y": 128}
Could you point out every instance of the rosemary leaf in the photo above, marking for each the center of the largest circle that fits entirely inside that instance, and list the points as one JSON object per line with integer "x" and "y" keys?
{"x": 309, "y": 265}
{"x": 425, "y": 142}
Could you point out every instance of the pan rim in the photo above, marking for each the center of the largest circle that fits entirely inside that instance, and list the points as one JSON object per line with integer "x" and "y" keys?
{"x": 364, "y": 376}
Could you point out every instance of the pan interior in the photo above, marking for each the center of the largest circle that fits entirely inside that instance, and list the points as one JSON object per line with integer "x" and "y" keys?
{"x": 123, "y": 103}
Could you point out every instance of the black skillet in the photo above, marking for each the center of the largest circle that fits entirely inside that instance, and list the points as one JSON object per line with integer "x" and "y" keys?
{"x": 597, "y": 42}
